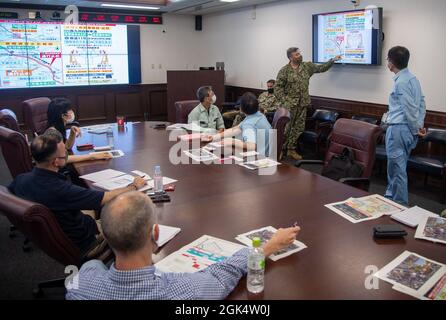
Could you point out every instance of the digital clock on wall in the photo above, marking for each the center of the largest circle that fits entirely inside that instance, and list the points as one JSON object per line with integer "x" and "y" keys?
{"x": 120, "y": 18}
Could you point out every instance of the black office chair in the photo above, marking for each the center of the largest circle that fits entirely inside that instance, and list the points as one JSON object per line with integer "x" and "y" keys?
{"x": 318, "y": 128}
{"x": 429, "y": 163}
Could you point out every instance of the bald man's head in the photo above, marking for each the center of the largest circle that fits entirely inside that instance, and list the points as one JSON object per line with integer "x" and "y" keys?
{"x": 127, "y": 221}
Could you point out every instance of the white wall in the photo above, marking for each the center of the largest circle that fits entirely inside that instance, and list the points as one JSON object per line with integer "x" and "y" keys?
{"x": 178, "y": 48}
{"x": 254, "y": 50}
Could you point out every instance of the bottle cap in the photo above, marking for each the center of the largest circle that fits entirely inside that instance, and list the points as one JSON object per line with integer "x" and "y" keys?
{"x": 256, "y": 242}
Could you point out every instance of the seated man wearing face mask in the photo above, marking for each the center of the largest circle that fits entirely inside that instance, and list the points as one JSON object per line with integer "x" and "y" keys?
{"x": 267, "y": 104}
{"x": 206, "y": 114}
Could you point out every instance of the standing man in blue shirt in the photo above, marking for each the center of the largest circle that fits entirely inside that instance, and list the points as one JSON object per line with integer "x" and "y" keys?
{"x": 405, "y": 120}
{"x": 129, "y": 225}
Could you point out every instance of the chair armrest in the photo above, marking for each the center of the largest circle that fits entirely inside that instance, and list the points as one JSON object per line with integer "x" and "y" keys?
{"x": 360, "y": 183}
{"x": 298, "y": 163}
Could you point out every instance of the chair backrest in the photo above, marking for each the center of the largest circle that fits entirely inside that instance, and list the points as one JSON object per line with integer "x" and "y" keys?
{"x": 35, "y": 113}
{"x": 281, "y": 118}
{"x": 365, "y": 119}
{"x": 435, "y": 135}
{"x": 325, "y": 115}
{"x": 183, "y": 108}
{"x": 8, "y": 119}
{"x": 40, "y": 226}
{"x": 16, "y": 151}
{"x": 360, "y": 137}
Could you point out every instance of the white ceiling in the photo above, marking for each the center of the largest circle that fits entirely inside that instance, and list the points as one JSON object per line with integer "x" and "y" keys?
{"x": 193, "y": 7}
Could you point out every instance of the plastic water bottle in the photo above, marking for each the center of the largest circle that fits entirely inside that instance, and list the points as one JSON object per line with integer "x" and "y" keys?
{"x": 110, "y": 139}
{"x": 158, "y": 180}
{"x": 256, "y": 267}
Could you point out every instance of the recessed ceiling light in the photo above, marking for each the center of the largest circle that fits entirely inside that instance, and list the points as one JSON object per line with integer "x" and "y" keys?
{"x": 128, "y": 6}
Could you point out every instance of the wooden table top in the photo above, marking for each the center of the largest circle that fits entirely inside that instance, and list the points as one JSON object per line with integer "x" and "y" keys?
{"x": 227, "y": 200}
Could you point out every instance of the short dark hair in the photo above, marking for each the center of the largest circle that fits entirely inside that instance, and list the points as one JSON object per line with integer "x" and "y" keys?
{"x": 399, "y": 56}
{"x": 290, "y": 51}
{"x": 271, "y": 81}
{"x": 126, "y": 221}
{"x": 203, "y": 92}
{"x": 44, "y": 147}
{"x": 57, "y": 108}
{"x": 249, "y": 103}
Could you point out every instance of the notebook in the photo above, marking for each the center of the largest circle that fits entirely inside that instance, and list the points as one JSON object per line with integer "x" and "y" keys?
{"x": 166, "y": 234}
{"x": 412, "y": 216}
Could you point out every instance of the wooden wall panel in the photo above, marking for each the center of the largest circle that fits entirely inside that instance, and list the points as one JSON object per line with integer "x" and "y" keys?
{"x": 91, "y": 107}
{"x": 129, "y": 105}
{"x": 98, "y": 104}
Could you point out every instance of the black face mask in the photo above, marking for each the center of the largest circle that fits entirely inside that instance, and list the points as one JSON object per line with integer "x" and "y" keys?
{"x": 271, "y": 91}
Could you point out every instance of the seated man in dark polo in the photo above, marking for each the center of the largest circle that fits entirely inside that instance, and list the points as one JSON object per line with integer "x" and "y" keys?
{"x": 46, "y": 186}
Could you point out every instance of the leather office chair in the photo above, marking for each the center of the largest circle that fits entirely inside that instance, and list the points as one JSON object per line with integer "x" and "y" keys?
{"x": 38, "y": 223}
{"x": 8, "y": 119}
{"x": 365, "y": 119}
{"x": 318, "y": 127}
{"x": 183, "y": 108}
{"x": 16, "y": 151}
{"x": 281, "y": 118}
{"x": 35, "y": 112}
{"x": 430, "y": 163}
{"x": 360, "y": 137}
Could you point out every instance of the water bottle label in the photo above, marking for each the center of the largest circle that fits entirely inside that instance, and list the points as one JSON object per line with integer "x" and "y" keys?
{"x": 262, "y": 264}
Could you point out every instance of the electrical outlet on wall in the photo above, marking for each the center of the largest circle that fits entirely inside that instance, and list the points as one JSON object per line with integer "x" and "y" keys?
{"x": 153, "y": 66}
{"x": 160, "y": 66}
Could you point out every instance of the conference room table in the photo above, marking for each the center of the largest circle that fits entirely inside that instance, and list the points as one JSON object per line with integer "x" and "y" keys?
{"x": 225, "y": 200}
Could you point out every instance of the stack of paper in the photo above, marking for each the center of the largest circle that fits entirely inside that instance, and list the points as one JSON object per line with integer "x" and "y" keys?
{"x": 166, "y": 234}
{"x": 102, "y": 175}
{"x": 417, "y": 276}
{"x": 432, "y": 228}
{"x": 259, "y": 164}
{"x": 201, "y": 155}
{"x": 413, "y": 216}
{"x": 265, "y": 234}
{"x": 110, "y": 179}
{"x": 366, "y": 208}
{"x": 198, "y": 255}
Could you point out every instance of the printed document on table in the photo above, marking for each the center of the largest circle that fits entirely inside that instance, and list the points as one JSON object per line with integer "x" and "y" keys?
{"x": 102, "y": 175}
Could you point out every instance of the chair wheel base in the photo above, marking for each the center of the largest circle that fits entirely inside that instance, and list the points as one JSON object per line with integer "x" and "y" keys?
{"x": 37, "y": 293}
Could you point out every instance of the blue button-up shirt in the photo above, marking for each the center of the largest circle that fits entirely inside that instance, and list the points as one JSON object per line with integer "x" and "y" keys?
{"x": 406, "y": 102}
{"x": 255, "y": 129}
{"x": 97, "y": 282}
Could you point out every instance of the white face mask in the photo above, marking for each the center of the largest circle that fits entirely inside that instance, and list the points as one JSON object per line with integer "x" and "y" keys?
{"x": 214, "y": 99}
{"x": 71, "y": 118}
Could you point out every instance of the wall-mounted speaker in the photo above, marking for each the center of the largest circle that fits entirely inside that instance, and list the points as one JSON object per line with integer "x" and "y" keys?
{"x": 198, "y": 23}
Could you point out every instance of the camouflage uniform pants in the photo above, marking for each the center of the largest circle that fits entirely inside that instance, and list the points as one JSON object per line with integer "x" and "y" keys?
{"x": 295, "y": 127}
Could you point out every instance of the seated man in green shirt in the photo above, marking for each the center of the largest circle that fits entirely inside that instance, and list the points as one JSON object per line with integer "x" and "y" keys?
{"x": 206, "y": 114}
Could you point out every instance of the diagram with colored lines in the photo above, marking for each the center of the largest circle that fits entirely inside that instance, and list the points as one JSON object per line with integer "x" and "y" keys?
{"x": 44, "y": 54}
{"x": 198, "y": 255}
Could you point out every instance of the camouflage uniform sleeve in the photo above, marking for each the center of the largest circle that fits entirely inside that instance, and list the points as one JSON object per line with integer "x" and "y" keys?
{"x": 262, "y": 99}
{"x": 318, "y": 68}
{"x": 279, "y": 87}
